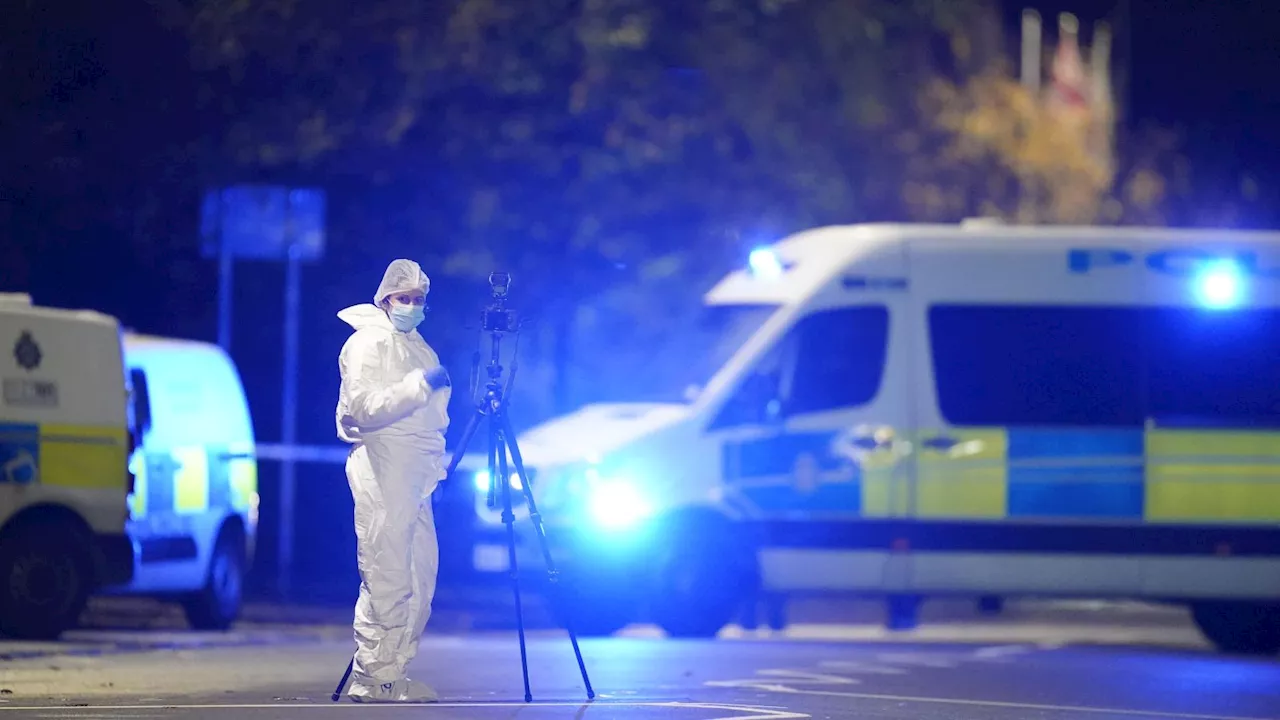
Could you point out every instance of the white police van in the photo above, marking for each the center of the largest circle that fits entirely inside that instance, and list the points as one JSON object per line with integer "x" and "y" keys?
{"x": 64, "y": 477}
{"x": 194, "y": 507}
{"x": 127, "y": 466}
{"x": 914, "y": 411}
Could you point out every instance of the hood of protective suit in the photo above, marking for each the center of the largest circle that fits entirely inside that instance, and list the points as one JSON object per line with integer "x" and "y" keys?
{"x": 595, "y": 430}
{"x": 364, "y": 316}
{"x": 402, "y": 276}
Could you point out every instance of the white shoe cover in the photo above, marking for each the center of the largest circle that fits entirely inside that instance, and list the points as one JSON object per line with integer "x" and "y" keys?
{"x": 400, "y": 691}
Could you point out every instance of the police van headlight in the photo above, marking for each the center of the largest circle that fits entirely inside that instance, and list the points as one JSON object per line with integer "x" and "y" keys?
{"x": 481, "y": 480}
{"x": 604, "y": 499}
{"x": 617, "y": 503}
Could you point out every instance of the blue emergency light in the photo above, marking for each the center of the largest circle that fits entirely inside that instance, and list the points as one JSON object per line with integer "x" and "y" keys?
{"x": 1220, "y": 285}
{"x": 765, "y": 263}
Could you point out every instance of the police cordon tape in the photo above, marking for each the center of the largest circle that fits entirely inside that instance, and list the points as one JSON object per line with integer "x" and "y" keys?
{"x": 336, "y": 454}
{"x": 332, "y": 454}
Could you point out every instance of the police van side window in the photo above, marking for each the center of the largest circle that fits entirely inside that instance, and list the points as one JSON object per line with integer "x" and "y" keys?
{"x": 831, "y": 359}
{"x": 840, "y": 359}
{"x": 1187, "y": 367}
{"x": 754, "y": 400}
{"x": 1001, "y": 365}
{"x": 1214, "y": 368}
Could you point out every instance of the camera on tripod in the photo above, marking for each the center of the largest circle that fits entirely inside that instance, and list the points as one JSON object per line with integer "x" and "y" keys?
{"x": 491, "y": 411}
{"x": 496, "y": 318}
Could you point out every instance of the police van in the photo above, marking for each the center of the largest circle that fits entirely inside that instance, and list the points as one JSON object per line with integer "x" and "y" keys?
{"x": 916, "y": 411}
{"x": 194, "y": 509}
{"x": 64, "y": 479}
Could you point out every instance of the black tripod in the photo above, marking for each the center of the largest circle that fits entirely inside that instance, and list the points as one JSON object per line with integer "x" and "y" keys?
{"x": 493, "y": 408}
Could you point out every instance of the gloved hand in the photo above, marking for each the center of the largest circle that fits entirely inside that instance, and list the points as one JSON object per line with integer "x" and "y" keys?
{"x": 438, "y": 378}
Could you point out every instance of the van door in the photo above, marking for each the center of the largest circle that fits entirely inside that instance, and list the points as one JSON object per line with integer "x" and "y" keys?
{"x": 1032, "y": 459}
{"x": 812, "y": 446}
{"x": 163, "y": 536}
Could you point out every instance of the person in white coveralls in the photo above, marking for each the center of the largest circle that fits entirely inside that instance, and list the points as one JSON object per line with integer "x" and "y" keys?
{"x": 393, "y": 410}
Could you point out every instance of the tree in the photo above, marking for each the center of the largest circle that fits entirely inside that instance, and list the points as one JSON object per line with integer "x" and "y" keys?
{"x": 1002, "y": 149}
{"x": 610, "y": 151}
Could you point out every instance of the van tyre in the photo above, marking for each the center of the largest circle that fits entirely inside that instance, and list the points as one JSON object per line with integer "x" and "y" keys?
{"x": 46, "y": 577}
{"x": 990, "y": 605}
{"x": 217, "y": 605}
{"x": 1243, "y": 628}
{"x": 593, "y": 610}
{"x": 702, "y": 577}
{"x": 902, "y": 612}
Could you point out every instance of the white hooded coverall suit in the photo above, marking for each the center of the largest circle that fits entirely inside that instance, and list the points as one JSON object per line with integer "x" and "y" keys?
{"x": 395, "y": 423}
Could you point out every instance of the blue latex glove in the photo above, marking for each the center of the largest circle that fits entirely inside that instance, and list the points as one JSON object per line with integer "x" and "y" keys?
{"x": 438, "y": 378}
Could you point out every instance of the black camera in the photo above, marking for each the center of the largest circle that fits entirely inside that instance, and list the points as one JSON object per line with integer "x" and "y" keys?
{"x": 498, "y": 283}
{"x": 497, "y": 318}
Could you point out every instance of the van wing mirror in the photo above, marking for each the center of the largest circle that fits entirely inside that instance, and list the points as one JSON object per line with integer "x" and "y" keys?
{"x": 761, "y": 395}
{"x": 140, "y": 404}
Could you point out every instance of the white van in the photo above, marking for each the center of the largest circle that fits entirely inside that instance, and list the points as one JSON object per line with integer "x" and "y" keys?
{"x": 913, "y": 411}
{"x": 64, "y": 480}
{"x": 194, "y": 509}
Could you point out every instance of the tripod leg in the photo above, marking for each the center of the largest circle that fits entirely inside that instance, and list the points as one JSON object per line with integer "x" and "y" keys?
{"x": 337, "y": 692}
{"x": 491, "y": 501}
{"x": 473, "y": 424}
{"x": 504, "y": 424}
{"x": 467, "y": 433}
{"x": 509, "y": 518}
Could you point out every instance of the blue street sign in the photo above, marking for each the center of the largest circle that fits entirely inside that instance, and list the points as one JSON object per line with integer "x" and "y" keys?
{"x": 261, "y": 221}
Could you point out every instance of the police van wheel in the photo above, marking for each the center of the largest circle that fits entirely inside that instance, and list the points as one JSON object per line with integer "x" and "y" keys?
{"x": 702, "y": 579}
{"x": 595, "y": 614}
{"x": 596, "y": 596}
{"x": 46, "y": 575}
{"x": 1242, "y": 628}
{"x": 217, "y": 605}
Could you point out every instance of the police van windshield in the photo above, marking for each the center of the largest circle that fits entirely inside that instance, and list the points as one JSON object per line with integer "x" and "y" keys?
{"x": 692, "y": 352}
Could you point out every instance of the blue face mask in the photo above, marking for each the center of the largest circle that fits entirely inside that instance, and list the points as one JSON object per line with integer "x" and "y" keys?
{"x": 406, "y": 317}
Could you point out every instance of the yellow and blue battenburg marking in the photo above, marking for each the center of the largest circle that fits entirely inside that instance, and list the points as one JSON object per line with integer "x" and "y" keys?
{"x": 1071, "y": 473}
{"x": 1152, "y": 475}
{"x": 960, "y": 473}
{"x": 1031, "y": 473}
{"x": 194, "y": 480}
{"x": 1135, "y": 475}
{"x": 75, "y": 456}
{"x": 1212, "y": 476}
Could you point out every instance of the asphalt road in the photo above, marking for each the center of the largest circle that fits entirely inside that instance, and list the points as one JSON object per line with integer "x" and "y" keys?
{"x": 997, "y": 669}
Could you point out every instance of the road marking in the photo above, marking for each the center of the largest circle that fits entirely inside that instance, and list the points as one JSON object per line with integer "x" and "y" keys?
{"x": 768, "y": 687}
{"x": 858, "y": 666}
{"x": 880, "y": 664}
{"x": 999, "y": 652}
{"x": 800, "y": 682}
{"x": 810, "y": 678}
{"x": 752, "y": 712}
{"x": 936, "y": 660}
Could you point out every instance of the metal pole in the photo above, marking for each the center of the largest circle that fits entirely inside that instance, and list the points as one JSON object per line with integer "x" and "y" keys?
{"x": 225, "y": 284}
{"x": 288, "y": 406}
{"x": 1031, "y": 74}
{"x": 1031, "y": 50}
